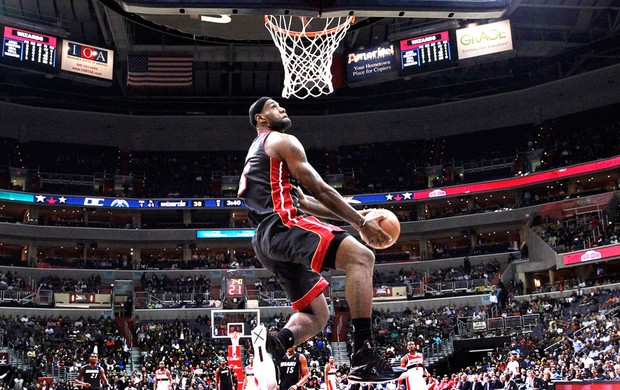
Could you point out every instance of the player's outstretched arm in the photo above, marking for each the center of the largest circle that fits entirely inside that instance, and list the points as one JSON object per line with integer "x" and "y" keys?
{"x": 287, "y": 148}
{"x": 310, "y": 205}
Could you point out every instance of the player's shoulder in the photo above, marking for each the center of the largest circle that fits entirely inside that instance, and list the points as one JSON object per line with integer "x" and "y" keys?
{"x": 276, "y": 137}
{"x": 280, "y": 144}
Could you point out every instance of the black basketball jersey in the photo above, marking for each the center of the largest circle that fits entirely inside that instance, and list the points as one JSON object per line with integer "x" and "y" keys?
{"x": 265, "y": 185}
{"x": 225, "y": 378}
{"x": 92, "y": 376}
{"x": 290, "y": 371}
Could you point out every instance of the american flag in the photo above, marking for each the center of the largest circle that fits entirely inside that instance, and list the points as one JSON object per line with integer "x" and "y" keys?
{"x": 154, "y": 71}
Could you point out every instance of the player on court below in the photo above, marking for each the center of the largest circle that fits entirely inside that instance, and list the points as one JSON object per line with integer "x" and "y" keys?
{"x": 225, "y": 377}
{"x": 294, "y": 371}
{"x": 163, "y": 378}
{"x": 293, "y": 244}
{"x": 330, "y": 374}
{"x": 249, "y": 381}
{"x": 92, "y": 375}
{"x": 413, "y": 362}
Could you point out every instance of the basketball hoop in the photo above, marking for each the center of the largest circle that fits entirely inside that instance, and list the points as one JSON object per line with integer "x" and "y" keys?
{"x": 307, "y": 46}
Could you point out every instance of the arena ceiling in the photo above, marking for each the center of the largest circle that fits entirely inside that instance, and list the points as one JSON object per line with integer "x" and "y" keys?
{"x": 234, "y": 63}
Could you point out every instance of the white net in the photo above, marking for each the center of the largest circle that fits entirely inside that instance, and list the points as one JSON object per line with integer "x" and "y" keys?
{"x": 307, "y": 46}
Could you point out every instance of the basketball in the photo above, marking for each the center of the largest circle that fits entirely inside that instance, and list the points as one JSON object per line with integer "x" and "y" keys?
{"x": 389, "y": 224}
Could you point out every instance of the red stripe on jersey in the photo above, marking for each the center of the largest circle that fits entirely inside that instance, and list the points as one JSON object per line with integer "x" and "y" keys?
{"x": 281, "y": 192}
{"x": 304, "y": 301}
{"x": 324, "y": 231}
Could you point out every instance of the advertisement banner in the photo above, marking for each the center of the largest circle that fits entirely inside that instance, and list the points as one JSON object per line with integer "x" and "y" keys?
{"x": 594, "y": 254}
{"x": 369, "y": 64}
{"x": 482, "y": 40}
{"x": 87, "y": 60}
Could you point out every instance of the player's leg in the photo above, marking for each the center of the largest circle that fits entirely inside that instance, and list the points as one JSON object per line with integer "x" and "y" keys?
{"x": 307, "y": 322}
{"x": 289, "y": 258}
{"x": 270, "y": 348}
{"x": 367, "y": 365}
{"x": 358, "y": 263}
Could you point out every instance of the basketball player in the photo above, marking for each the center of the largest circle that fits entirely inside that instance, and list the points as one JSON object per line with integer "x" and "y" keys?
{"x": 92, "y": 375}
{"x": 249, "y": 381}
{"x": 225, "y": 377}
{"x": 294, "y": 371}
{"x": 330, "y": 374}
{"x": 413, "y": 362}
{"x": 296, "y": 246}
{"x": 163, "y": 378}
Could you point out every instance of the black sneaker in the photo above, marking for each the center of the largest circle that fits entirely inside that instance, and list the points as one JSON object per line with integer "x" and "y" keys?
{"x": 367, "y": 366}
{"x": 274, "y": 347}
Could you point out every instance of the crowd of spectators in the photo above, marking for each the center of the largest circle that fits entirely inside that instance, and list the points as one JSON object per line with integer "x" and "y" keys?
{"x": 224, "y": 260}
{"x": 269, "y": 292}
{"x": 62, "y": 344}
{"x": 602, "y": 274}
{"x": 483, "y": 271}
{"x": 192, "y": 355}
{"x": 11, "y": 282}
{"x": 404, "y": 165}
{"x": 578, "y": 232}
{"x": 99, "y": 262}
{"x": 576, "y": 337}
{"x": 200, "y": 260}
{"x": 196, "y": 290}
{"x": 91, "y": 284}
{"x": 161, "y": 283}
{"x": 445, "y": 252}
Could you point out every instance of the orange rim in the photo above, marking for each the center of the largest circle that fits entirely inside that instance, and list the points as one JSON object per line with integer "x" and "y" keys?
{"x": 350, "y": 19}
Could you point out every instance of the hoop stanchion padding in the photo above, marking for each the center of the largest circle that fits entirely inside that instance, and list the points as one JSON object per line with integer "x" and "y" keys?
{"x": 234, "y": 358}
{"x": 307, "y": 46}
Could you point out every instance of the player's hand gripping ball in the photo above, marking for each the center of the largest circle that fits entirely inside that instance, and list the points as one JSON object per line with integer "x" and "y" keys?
{"x": 389, "y": 224}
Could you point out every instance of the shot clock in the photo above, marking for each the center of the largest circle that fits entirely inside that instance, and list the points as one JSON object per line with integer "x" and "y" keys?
{"x": 234, "y": 287}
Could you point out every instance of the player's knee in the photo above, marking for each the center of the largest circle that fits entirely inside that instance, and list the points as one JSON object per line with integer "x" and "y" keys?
{"x": 323, "y": 316}
{"x": 323, "y": 319}
{"x": 364, "y": 257}
{"x": 352, "y": 254}
{"x": 319, "y": 310}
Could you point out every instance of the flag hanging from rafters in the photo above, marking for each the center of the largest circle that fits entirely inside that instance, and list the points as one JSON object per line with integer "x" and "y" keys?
{"x": 159, "y": 71}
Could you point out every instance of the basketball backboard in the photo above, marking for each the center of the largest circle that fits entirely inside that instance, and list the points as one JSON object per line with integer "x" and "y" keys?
{"x": 224, "y": 322}
{"x": 312, "y": 8}
{"x": 241, "y": 20}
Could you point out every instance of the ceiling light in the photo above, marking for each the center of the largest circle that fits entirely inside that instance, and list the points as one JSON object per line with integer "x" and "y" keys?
{"x": 221, "y": 19}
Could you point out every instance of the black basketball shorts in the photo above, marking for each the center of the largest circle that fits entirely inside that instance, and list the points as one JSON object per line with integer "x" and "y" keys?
{"x": 297, "y": 254}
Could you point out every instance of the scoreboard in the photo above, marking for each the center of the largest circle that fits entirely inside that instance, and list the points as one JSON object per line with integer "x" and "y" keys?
{"x": 29, "y": 49}
{"x": 425, "y": 52}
